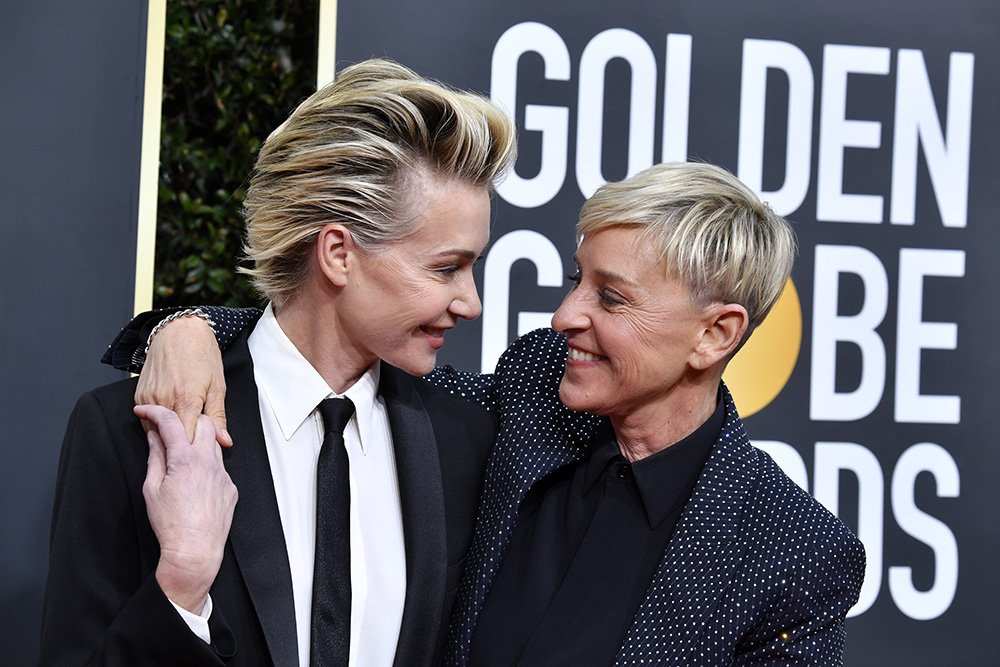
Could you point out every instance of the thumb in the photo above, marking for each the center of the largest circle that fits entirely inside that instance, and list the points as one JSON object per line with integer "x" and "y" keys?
{"x": 156, "y": 464}
{"x": 215, "y": 407}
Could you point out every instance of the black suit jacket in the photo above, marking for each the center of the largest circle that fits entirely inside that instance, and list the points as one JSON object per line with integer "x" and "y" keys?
{"x": 103, "y": 604}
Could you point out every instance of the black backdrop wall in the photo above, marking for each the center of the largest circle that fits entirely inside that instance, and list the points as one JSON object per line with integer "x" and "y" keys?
{"x": 871, "y": 125}
{"x": 71, "y": 85}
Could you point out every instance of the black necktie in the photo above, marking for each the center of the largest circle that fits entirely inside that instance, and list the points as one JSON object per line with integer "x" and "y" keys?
{"x": 331, "y": 607}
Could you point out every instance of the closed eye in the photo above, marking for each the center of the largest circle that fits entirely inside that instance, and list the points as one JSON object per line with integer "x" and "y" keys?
{"x": 608, "y": 298}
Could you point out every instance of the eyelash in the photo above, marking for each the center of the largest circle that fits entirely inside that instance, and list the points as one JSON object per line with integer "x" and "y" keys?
{"x": 605, "y": 297}
{"x": 608, "y": 300}
{"x": 452, "y": 269}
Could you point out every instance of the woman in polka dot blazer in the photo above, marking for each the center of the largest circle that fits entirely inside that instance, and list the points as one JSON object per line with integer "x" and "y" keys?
{"x": 625, "y": 517}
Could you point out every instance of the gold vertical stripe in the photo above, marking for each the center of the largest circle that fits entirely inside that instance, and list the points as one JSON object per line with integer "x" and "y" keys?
{"x": 149, "y": 163}
{"x": 326, "y": 55}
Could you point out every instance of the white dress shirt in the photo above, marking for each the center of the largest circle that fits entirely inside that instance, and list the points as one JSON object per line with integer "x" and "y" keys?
{"x": 290, "y": 390}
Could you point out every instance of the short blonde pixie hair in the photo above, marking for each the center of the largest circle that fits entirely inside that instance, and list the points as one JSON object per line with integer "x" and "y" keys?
{"x": 355, "y": 152}
{"x": 712, "y": 232}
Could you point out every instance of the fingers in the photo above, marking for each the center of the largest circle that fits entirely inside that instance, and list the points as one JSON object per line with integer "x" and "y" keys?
{"x": 187, "y": 406}
{"x": 183, "y": 371}
{"x": 166, "y": 422}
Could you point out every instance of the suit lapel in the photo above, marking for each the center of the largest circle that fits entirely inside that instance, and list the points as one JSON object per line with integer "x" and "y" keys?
{"x": 702, "y": 554}
{"x": 538, "y": 435}
{"x": 521, "y": 458}
{"x": 256, "y": 535}
{"x": 424, "y": 532}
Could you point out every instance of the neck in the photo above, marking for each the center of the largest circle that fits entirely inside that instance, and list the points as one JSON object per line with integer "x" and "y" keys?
{"x": 315, "y": 329}
{"x": 668, "y": 420}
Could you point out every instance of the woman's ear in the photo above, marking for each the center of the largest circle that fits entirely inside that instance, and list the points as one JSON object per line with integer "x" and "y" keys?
{"x": 721, "y": 335}
{"x": 334, "y": 247}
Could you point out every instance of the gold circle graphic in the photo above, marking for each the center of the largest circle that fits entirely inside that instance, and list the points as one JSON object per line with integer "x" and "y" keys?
{"x": 759, "y": 371}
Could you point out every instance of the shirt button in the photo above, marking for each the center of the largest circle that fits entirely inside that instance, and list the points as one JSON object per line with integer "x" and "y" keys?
{"x": 624, "y": 471}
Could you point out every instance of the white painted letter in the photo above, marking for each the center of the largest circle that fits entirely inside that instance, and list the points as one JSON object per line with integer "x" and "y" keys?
{"x": 520, "y": 244}
{"x": 917, "y": 120}
{"x": 836, "y": 133}
{"x": 831, "y": 458}
{"x": 676, "y": 99}
{"x": 829, "y": 328}
{"x": 614, "y": 43}
{"x": 925, "y": 605}
{"x": 758, "y": 57}
{"x": 552, "y": 122}
{"x": 913, "y": 335}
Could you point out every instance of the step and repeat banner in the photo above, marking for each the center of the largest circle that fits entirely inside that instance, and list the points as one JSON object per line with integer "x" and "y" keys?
{"x": 872, "y": 126}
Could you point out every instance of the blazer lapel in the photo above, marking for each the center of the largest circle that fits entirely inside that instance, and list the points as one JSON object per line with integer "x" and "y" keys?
{"x": 701, "y": 556}
{"x": 421, "y": 494}
{"x": 522, "y": 457}
{"x": 256, "y": 535}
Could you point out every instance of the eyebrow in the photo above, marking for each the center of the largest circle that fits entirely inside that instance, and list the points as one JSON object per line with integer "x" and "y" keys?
{"x": 609, "y": 276}
{"x": 456, "y": 252}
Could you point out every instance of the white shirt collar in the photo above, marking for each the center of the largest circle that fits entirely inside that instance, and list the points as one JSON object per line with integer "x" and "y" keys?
{"x": 291, "y": 385}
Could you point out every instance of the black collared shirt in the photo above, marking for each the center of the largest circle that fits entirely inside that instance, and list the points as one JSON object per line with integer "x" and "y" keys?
{"x": 588, "y": 540}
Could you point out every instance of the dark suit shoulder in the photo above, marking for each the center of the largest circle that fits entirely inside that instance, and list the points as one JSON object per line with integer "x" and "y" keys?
{"x": 102, "y": 420}
{"x": 780, "y": 501}
{"x": 114, "y": 393}
{"x": 534, "y": 361}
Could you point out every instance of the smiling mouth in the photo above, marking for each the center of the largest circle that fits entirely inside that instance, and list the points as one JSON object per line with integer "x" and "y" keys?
{"x": 434, "y": 332}
{"x": 580, "y": 355}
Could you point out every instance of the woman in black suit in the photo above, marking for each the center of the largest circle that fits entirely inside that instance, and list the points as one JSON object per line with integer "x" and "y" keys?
{"x": 373, "y": 503}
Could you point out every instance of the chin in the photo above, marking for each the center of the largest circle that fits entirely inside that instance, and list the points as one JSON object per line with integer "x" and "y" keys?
{"x": 417, "y": 367}
{"x": 570, "y": 398}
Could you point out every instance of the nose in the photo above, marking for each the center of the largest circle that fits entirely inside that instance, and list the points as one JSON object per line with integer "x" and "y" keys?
{"x": 466, "y": 303}
{"x": 571, "y": 315}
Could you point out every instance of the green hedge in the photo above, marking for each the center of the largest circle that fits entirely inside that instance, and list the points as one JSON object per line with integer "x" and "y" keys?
{"x": 232, "y": 72}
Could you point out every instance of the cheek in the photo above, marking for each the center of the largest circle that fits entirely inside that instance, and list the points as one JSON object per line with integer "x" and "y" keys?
{"x": 404, "y": 311}
{"x": 398, "y": 293}
{"x": 624, "y": 340}
{"x": 423, "y": 301}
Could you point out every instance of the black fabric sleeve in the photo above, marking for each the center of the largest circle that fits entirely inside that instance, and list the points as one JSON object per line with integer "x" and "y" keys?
{"x": 127, "y": 352}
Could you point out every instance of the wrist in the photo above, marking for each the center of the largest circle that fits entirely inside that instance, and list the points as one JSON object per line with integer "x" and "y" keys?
{"x": 186, "y": 588}
{"x": 181, "y": 314}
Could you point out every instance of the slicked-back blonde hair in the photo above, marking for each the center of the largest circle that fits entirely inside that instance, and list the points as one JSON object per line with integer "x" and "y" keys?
{"x": 711, "y": 232}
{"x": 355, "y": 152}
